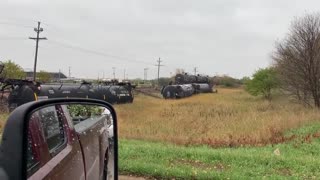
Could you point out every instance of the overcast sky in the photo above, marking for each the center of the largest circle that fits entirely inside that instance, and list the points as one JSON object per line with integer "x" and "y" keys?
{"x": 217, "y": 36}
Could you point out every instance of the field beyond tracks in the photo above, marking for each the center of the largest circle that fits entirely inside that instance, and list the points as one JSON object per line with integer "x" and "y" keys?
{"x": 229, "y": 118}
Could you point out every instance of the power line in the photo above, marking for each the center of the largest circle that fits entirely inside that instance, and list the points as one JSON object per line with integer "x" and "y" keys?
{"x": 37, "y": 30}
{"x": 59, "y": 29}
{"x": 97, "y": 52}
{"x": 15, "y": 24}
{"x": 13, "y": 38}
{"x": 75, "y": 47}
{"x": 70, "y": 46}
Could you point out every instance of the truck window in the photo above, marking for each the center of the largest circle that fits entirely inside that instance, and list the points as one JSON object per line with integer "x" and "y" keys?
{"x": 53, "y": 129}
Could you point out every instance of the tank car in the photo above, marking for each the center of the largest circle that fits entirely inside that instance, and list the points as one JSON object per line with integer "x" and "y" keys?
{"x": 177, "y": 91}
{"x": 110, "y": 93}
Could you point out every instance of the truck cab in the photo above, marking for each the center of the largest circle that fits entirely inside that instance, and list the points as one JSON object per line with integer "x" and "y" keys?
{"x": 64, "y": 146}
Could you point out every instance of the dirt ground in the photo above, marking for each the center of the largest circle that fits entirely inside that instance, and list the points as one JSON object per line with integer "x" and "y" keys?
{"x": 130, "y": 178}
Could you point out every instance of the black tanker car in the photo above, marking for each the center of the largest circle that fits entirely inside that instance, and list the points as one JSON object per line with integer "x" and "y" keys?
{"x": 189, "y": 79}
{"x": 177, "y": 91}
{"x": 202, "y": 88}
{"x": 24, "y": 91}
{"x": 186, "y": 85}
{"x": 113, "y": 94}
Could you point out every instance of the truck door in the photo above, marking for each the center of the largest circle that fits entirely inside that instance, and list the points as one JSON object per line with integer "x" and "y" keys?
{"x": 53, "y": 151}
{"x": 93, "y": 135}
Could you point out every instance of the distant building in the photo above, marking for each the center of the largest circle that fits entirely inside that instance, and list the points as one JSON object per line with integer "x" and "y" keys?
{"x": 55, "y": 76}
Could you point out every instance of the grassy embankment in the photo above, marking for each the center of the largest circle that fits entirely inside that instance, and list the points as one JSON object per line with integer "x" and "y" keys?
{"x": 230, "y": 118}
{"x": 298, "y": 159}
{"x": 251, "y": 138}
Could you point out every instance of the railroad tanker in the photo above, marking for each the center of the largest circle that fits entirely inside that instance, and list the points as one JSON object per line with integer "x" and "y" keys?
{"x": 110, "y": 93}
{"x": 202, "y": 88}
{"x": 177, "y": 91}
{"x": 189, "y": 79}
{"x": 186, "y": 85}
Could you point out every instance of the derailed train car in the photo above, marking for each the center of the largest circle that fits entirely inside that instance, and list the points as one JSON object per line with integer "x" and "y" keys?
{"x": 186, "y": 85}
{"x": 189, "y": 79}
{"x": 177, "y": 91}
{"x": 202, "y": 88}
{"x": 24, "y": 91}
{"x": 111, "y": 93}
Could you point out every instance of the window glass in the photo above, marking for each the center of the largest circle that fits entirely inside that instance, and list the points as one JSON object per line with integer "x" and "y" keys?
{"x": 52, "y": 128}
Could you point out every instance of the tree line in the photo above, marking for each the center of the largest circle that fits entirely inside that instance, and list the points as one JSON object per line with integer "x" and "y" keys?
{"x": 296, "y": 64}
{"x": 14, "y": 71}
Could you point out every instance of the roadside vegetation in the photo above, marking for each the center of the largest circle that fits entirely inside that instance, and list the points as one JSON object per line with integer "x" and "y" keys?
{"x": 263, "y": 83}
{"x": 296, "y": 159}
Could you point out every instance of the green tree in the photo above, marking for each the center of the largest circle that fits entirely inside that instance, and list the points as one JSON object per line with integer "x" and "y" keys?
{"x": 12, "y": 70}
{"x": 262, "y": 83}
{"x": 43, "y": 76}
{"x": 163, "y": 81}
{"x": 226, "y": 81}
{"x": 244, "y": 80}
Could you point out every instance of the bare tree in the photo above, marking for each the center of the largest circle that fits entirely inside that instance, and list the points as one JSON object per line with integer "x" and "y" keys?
{"x": 297, "y": 60}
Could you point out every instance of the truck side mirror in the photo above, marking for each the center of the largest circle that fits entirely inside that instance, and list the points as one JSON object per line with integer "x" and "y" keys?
{"x": 59, "y": 139}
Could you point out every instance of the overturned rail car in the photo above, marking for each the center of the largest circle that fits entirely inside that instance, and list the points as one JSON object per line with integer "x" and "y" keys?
{"x": 202, "y": 88}
{"x": 186, "y": 85}
{"x": 177, "y": 91}
{"x": 113, "y": 94}
{"x": 189, "y": 79}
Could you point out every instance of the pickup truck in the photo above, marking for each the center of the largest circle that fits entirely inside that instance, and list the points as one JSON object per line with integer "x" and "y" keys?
{"x": 68, "y": 147}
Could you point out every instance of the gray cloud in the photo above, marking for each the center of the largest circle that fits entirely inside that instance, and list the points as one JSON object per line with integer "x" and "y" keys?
{"x": 227, "y": 37}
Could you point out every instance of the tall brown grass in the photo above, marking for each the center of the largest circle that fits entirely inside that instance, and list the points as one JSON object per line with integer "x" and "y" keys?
{"x": 229, "y": 118}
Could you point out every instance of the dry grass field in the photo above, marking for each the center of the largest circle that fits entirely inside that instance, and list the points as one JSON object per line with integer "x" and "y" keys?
{"x": 229, "y": 118}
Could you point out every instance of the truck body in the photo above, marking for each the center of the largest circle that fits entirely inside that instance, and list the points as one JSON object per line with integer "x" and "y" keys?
{"x": 66, "y": 148}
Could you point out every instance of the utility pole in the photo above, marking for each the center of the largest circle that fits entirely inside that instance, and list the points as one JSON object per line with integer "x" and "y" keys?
{"x": 114, "y": 72}
{"x": 145, "y": 74}
{"x": 124, "y": 74}
{"x": 37, "y": 30}
{"x": 195, "y": 70}
{"x": 59, "y": 75}
{"x": 69, "y": 71}
{"x": 159, "y": 64}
